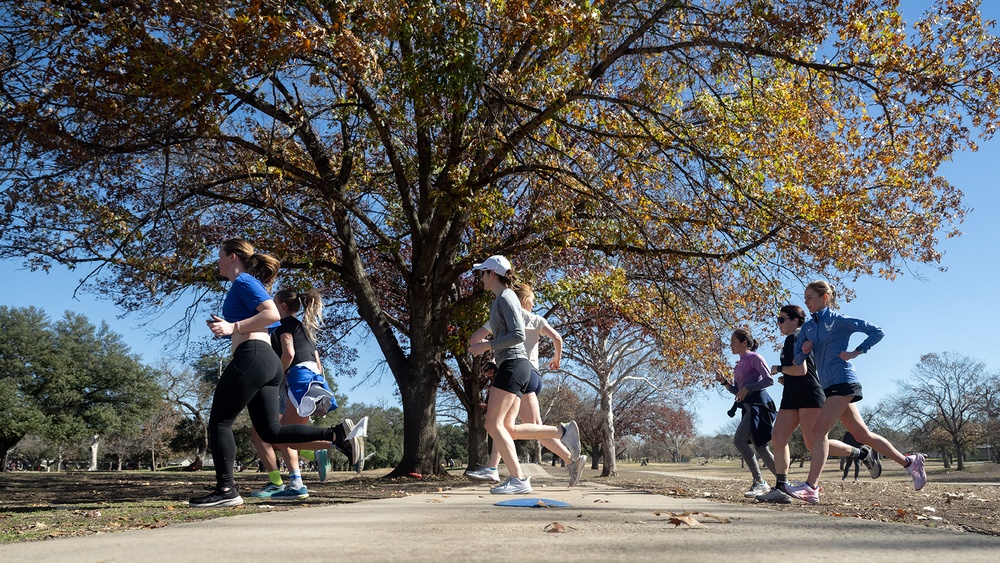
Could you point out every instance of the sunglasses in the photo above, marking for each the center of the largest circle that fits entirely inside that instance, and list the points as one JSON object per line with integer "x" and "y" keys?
{"x": 781, "y": 320}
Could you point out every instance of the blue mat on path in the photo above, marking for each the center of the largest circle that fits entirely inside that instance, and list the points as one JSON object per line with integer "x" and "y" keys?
{"x": 534, "y": 503}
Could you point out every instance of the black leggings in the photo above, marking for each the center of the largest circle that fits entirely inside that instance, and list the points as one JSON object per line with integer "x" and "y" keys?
{"x": 251, "y": 380}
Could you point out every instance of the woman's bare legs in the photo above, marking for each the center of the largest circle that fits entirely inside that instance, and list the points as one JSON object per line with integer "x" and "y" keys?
{"x": 529, "y": 412}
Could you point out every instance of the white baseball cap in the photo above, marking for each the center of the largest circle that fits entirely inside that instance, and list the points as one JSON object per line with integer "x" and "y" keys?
{"x": 496, "y": 264}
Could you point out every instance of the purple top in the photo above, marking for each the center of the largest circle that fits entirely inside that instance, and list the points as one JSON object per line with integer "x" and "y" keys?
{"x": 752, "y": 372}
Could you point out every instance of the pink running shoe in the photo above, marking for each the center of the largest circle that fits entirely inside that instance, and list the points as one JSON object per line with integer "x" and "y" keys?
{"x": 803, "y": 491}
{"x": 916, "y": 470}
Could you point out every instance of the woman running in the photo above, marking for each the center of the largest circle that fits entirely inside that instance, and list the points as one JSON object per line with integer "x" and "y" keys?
{"x": 750, "y": 377}
{"x": 801, "y": 400}
{"x": 252, "y": 377}
{"x": 512, "y": 378}
{"x": 305, "y": 391}
{"x": 826, "y": 335}
{"x": 534, "y": 327}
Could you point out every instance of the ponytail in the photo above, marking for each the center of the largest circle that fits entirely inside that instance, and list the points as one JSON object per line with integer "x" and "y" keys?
{"x": 311, "y": 304}
{"x": 261, "y": 266}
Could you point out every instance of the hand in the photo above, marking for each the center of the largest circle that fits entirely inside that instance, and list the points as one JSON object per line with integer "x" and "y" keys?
{"x": 478, "y": 348}
{"x": 719, "y": 376}
{"x": 741, "y": 394}
{"x": 781, "y": 380}
{"x": 807, "y": 346}
{"x": 848, "y": 356}
{"x": 554, "y": 364}
{"x": 219, "y": 326}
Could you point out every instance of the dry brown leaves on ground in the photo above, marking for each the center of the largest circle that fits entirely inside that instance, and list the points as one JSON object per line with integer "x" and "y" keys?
{"x": 972, "y": 508}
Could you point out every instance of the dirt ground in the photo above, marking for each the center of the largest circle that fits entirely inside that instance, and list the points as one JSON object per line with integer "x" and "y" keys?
{"x": 967, "y": 500}
{"x": 37, "y": 506}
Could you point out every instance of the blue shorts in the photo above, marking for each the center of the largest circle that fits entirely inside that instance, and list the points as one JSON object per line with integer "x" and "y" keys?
{"x": 534, "y": 383}
{"x": 309, "y": 392}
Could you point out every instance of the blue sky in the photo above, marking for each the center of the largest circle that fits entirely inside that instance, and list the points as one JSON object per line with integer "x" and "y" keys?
{"x": 928, "y": 311}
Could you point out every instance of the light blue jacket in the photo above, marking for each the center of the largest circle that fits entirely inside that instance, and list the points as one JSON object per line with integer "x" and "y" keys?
{"x": 830, "y": 334}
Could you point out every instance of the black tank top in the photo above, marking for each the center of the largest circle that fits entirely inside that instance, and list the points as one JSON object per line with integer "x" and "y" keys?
{"x": 305, "y": 350}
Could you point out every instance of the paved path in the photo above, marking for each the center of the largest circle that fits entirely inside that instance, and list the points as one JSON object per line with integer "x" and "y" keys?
{"x": 603, "y": 524}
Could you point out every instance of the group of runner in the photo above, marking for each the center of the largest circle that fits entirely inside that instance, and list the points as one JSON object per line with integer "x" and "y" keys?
{"x": 820, "y": 388}
{"x": 276, "y": 374}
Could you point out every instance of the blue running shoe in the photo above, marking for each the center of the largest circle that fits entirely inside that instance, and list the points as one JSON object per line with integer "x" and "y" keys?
{"x": 323, "y": 466}
{"x": 291, "y": 493}
{"x": 269, "y": 490}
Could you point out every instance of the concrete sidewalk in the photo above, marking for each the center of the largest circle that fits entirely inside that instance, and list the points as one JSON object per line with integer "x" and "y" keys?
{"x": 603, "y": 523}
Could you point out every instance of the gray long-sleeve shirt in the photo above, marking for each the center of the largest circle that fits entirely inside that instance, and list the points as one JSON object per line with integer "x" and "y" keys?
{"x": 507, "y": 326}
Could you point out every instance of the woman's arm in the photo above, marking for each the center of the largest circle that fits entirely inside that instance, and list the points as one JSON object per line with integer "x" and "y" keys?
{"x": 267, "y": 315}
{"x": 514, "y": 322}
{"x": 287, "y": 351}
{"x": 557, "y": 343}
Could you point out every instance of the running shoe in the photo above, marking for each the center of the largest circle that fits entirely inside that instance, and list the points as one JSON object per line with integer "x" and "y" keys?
{"x": 803, "y": 491}
{"x": 350, "y": 439}
{"x": 872, "y": 462}
{"x": 217, "y": 499}
{"x": 916, "y": 470}
{"x": 571, "y": 438}
{"x": 323, "y": 466}
{"x": 291, "y": 493}
{"x": 758, "y": 488}
{"x": 267, "y": 490}
{"x": 575, "y": 470}
{"x": 775, "y": 496}
{"x": 513, "y": 486}
{"x": 484, "y": 474}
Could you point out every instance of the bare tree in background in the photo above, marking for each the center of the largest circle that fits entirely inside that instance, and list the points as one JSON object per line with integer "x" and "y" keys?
{"x": 944, "y": 394}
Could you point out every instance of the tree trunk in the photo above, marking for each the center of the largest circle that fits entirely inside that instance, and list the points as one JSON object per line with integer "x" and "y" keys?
{"x": 608, "y": 435}
{"x": 94, "y": 442}
{"x": 945, "y": 458}
{"x": 418, "y": 391}
{"x": 477, "y": 442}
{"x": 7, "y": 443}
{"x": 960, "y": 455}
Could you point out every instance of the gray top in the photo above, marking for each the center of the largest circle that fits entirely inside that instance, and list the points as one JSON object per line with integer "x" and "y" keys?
{"x": 507, "y": 326}
{"x": 533, "y": 325}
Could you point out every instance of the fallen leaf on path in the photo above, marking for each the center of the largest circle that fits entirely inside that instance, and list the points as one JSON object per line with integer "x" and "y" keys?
{"x": 434, "y": 500}
{"x": 686, "y": 519}
{"x": 722, "y": 519}
{"x": 600, "y": 500}
{"x": 557, "y": 528}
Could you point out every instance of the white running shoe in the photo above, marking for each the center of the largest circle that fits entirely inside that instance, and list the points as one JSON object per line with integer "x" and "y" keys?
{"x": 484, "y": 474}
{"x": 513, "y": 486}
{"x": 916, "y": 470}
{"x": 575, "y": 470}
{"x": 571, "y": 438}
{"x": 758, "y": 488}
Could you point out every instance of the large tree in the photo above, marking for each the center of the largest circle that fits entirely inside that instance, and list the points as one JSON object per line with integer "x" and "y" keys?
{"x": 68, "y": 380}
{"x": 27, "y": 353}
{"x": 699, "y": 151}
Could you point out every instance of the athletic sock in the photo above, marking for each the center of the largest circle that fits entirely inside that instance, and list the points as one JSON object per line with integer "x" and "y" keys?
{"x": 856, "y": 452}
{"x": 780, "y": 480}
{"x": 275, "y": 477}
{"x": 909, "y": 461}
{"x": 296, "y": 478}
{"x": 308, "y": 454}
